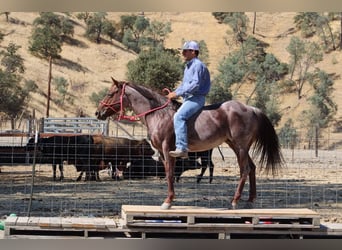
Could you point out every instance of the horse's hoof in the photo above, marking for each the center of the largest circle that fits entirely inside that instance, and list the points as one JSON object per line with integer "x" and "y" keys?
{"x": 165, "y": 206}
{"x": 234, "y": 205}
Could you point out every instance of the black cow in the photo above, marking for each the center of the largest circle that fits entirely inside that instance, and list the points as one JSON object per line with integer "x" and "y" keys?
{"x": 147, "y": 167}
{"x": 205, "y": 158}
{"x": 75, "y": 149}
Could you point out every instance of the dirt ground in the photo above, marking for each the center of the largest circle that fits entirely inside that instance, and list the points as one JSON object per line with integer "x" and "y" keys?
{"x": 306, "y": 181}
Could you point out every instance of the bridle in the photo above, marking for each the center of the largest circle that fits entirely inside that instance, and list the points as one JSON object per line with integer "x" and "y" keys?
{"x": 121, "y": 112}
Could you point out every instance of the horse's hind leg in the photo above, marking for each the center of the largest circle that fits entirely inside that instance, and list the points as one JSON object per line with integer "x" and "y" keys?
{"x": 252, "y": 184}
{"x": 245, "y": 169}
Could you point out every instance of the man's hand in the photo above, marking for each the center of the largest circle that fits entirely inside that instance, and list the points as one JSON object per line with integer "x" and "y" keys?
{"x": 171, "y": 95}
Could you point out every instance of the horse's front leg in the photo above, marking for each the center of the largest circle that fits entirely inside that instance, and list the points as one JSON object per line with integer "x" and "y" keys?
{"x": 169, "y": 165}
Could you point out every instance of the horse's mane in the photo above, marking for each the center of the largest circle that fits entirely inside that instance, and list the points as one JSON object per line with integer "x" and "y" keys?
{"x": 155, "y": 99}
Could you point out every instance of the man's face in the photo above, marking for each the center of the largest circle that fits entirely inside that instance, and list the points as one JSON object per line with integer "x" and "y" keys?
{"x": 188, "y": 54}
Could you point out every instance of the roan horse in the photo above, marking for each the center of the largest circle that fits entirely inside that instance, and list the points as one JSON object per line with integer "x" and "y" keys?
{"x": 237, "y": 124}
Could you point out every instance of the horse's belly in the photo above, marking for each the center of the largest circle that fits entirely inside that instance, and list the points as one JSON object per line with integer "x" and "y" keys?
{"x": 205, "y": 134}
{"x": 201, "y": 143}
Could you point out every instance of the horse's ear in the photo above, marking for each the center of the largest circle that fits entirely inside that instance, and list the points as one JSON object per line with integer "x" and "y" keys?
{"x": 114, "y": 81}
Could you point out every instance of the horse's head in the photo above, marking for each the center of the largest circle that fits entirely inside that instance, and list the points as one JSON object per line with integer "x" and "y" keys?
{"x": 112, "y": 103}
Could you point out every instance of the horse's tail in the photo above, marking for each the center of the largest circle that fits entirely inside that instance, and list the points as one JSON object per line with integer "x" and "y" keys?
{"x": 267, "y": 145}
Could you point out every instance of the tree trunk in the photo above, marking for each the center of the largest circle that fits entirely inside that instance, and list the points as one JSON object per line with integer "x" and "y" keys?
{"x": 331, "y": 36}
{"x": 7, "y": 18}
{"x": 341, "y": 30}
{"x": 49, "y": 88}
{"x": 12, "y": 123}
{"x": 254, "y": 23}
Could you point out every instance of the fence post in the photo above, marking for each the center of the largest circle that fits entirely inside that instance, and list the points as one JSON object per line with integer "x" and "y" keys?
{"x": 41, "y": 128}
{"x": 316, "y": 140}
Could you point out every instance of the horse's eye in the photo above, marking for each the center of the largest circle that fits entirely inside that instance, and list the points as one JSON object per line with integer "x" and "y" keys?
{"x": 110, "y": 94}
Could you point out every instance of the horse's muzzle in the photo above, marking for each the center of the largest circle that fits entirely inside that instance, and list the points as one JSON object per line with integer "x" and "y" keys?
{"x": 100, "y": 115}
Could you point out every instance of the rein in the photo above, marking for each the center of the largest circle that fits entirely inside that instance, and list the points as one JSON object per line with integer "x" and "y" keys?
{"x": 133, "y": 118}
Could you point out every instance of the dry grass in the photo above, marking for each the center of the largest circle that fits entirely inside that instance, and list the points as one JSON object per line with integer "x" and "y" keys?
{"x": 91, "y": 65}
{"x": 307, "y": 182}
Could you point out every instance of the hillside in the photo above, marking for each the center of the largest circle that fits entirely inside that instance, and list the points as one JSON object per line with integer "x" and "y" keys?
{"x": 89, "y": 66}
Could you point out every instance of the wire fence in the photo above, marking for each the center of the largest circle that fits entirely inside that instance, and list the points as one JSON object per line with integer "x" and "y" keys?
{"x": 310, "y": 179}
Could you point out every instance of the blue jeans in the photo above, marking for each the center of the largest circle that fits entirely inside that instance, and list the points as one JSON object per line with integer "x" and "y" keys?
{"x": 189, "y": 107}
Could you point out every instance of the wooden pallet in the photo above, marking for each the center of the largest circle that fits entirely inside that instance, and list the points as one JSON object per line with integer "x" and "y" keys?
{"x": 57, "y": 226}
{"x": 199, "y": 217}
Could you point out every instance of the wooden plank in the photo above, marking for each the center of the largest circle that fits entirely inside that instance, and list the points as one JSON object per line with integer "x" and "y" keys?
{"x": 99, "y": 223}
{"x": 84, "y": 223}
{"x": 33, "y": 221}
{"x": 11, "y": 220}
{"x": 110, "y": 224}
{"x": 66, "y": 222}
{"x": 22, "y": 221}
{"x": 44, "y": 222}
{"x": 55, "y": 222}
{"x": 184, "y": 210}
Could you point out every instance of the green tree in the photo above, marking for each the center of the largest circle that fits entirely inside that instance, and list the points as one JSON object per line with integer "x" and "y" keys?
{"x": 83, "y": 16}
{"x": 303, "y": 56}
{"x": 218, "y": 93}
{"x": 238, "y": 22}
{"x": 14, "y": 95}
{"x": 155, "y": 68}
{"x": 156, "y": 33}
{"x": 12, "y": 99}
{"x": 12, "y": 61}
{"x": 95, "y": 98}
{"x": 251, "y": 64}
{"x": 46, "y": 42}
{"x": 268, "y": 73}
{"x": 98, "y": 25}
{"x": 324, "y": 31}
{"x": 221, "y": 16}
{"x": 288, "y": 135}
{"x": 134, "y": 31}
{"x": 61, "y": 85}
{"x": 67, "y": 27}
{"x": 323, "y": 108}
{"x": 306, "y": 23}
{"x": 313, "y": 23}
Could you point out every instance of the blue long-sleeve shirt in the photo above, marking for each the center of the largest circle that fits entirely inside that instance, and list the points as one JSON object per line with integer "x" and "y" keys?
{"x": 196, "y": 79}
